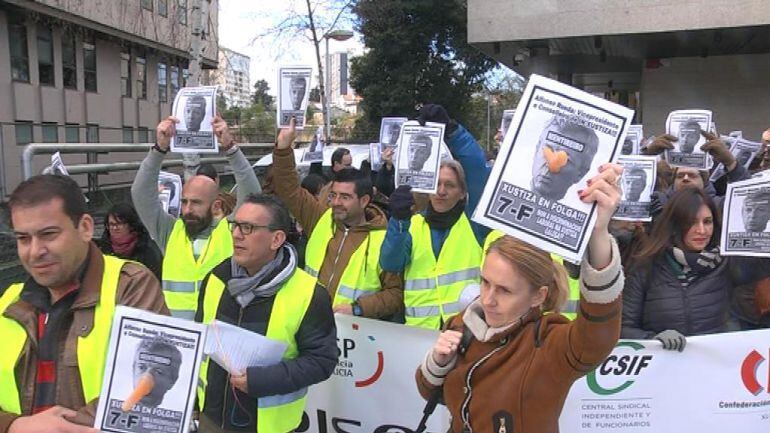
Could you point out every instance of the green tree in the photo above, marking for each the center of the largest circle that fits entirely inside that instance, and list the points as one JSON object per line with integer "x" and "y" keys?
{"x": 418, "y": 53}
{"x": 261, "y": 95}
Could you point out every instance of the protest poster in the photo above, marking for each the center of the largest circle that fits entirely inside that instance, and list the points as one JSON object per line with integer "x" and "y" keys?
{"x": 746, "y": 213}
{"x": 558, "y": 139}
{"x": 57, "y": 166}
{"x": 419, "y": 156}
{"x": 375, "y": 156}
{"x": 390, "y": 130}
{"x": 686, "y": 126}
{"x": 633, "y": 141}
{"x": 293, "y": 94}
{"x": 505, "y": 122}
{"x": 315, "y": 152}
{"x": 637, "y": 183}
{"x": 151, "y": 373}
{"x": 744, "y": 152}
{"x": 170, "y": 192}
{"x": 195, "y": 107}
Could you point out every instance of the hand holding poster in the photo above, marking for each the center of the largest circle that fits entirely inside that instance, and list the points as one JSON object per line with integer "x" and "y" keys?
{"x": 566, "y": 134}
{"x": 151, "y": 373}
{"x": 686, "y": 126}
{"x": 194, "y": 107}
{"x": 293, "y": 94}
{"x": 419, "y": 156}
{"x": 746, "y": 214}
{"x": 390, "y": 130}
{"x": 744, "y": 152}
{"x": 315, "y": 152}
{"x": 633, "y": 141}
{"x": 637, "y": 183}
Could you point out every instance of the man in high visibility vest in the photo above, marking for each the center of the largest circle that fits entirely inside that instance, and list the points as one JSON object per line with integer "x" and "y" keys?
{"x": 55, "y": 327}
{"x": 345, "y": 232}
{"x": 196, "y": 242}
{"x": 261, "y": 290}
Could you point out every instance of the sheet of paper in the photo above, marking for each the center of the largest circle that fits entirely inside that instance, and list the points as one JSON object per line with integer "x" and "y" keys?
{"x": 746, "y": 214}
{"x": 390, "y": 130}
{"x": 236, "y": 349}
{"x": 195, "y": 108}
{"x": 294, "y": 84}
{"x": 637, "y": 183}
{"x": 419, "y": 156}
{"x": 686, "y": 126}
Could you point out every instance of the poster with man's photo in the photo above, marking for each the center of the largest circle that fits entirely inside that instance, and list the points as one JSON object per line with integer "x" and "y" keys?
{"x": 195, "y": 108}
{"x": 170, "y": 192}
{"x": 315, "y": 151}
{"x": 686, "y": 126}
{"x": 293, "y": 94}
{"x": 151, "y": 373}
{"x": 633, "y": 141}
{"x": 419, "y": 156}
{"x": 746, "y": 214}
{"x": 558, "y": 139}
{"x": 744, "y": 152}
{"x": 505, "y": 122}
{"x": 390, "y": 130}
{"x": 637, "y": 183}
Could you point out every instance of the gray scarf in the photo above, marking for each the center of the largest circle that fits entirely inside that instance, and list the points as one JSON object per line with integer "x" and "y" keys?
{"x": 267, "y": 281}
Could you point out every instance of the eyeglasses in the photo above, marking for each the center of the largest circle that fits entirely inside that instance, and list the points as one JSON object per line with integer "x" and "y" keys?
{"x": 115, "y": 226}
{"x": 246, "y": 228}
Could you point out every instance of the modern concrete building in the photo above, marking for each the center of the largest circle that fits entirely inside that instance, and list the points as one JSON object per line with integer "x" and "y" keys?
{"x": 232, "y": 76}
{"x": 653, "y": 55}
{"x": 338, "y": 77}
{"x": 91, "y": 71}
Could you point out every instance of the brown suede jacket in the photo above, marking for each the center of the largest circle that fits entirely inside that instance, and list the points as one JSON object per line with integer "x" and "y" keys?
{"x": 308, "y": 210}
{"x": 516, "y": 378}
{"x": 137, "y": 287}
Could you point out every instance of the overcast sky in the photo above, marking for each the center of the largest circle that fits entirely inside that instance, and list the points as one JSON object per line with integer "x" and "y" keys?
{"x": 241, "y": 20}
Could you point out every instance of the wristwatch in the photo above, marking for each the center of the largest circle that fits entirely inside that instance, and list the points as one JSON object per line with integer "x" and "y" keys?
{"x": 357, "y": 310}
{"x": 156, "y": 147}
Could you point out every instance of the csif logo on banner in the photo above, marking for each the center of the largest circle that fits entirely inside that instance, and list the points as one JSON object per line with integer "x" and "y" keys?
{"x": 618, "y": 371}
{"x": 749, "y": 371}
{"x": 351, "y": 361}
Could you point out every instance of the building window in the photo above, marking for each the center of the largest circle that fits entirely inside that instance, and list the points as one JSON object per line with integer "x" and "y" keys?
{"x": 163, "y": 8}
{"x": 50, "y": 133}
{"x": 144, "y": 135}
{"x": 89, "y": 65}
{"x": 174, "y": 81}
{"x": 147, "y": 4}
{"x": 45, "y": 56}
{"x": 128, "y": 134}
{"x": 17, "y": 37}
{"x": 181, "y": 11}
{"x": 141, "y": 76}
{"x": 125, "y": 72}
{"x": 92, "y": 133}
{"x": 72, "y": 133}
{"x": 69, "y": 61}
{"x": 23, "y": 133}
{"x": 162, "y": 83}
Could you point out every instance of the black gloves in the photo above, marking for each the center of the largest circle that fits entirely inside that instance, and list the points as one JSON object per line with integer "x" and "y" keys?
{"x": 436, "y": 113}
{"x": 401, "y": 202}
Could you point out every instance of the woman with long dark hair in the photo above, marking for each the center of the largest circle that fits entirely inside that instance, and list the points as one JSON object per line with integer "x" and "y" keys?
{"x": 679, "y": 284}
{"x": 126, "y": 237}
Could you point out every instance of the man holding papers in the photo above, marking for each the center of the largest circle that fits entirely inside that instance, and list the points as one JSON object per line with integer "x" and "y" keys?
{"x": 261, "y": 290}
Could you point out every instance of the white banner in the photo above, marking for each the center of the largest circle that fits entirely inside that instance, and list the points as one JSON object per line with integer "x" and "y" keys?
{"x": 720, "y": 383}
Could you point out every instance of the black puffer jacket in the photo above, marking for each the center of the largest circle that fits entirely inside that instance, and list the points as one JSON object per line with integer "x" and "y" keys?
{"x": 654, "y": 299}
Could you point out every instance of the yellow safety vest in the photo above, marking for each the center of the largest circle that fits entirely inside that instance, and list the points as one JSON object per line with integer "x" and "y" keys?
{"x": 276, "y": 413}
{"x": 432, "y": 287}
{"x": 361, "y": 276}
{"x": 182, "y": 274}
{"x": 91, "y": 349}
{"x": 570, "y": 310}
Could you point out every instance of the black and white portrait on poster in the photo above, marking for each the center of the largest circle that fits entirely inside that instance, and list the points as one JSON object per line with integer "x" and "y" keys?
{"x": 194, "y": 107}
{"x": 746, "y": 213}
{"x": 637, "y": 184}
{"x": 390, "y": 130}
{"x": 744, "y": 152}
{"x": 419, "y": 156}
{"x": 315, "y": 151}
{"x": 151, "y": 373}
{"x": 687, "y": 126}
{"x": 170, "y": 192}
{"x": 293, "y": 94}
{"x": 558, "y": 139}
{"x": 505, "y": 123}
{"x": 633, "y": 140}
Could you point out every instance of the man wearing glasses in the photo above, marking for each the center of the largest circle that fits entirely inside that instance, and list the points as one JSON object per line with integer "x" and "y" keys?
{"x": 261, "y": 290}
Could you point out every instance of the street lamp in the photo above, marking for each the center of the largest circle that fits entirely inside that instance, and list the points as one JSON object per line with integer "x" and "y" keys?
{"x": 337, "y": 35}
